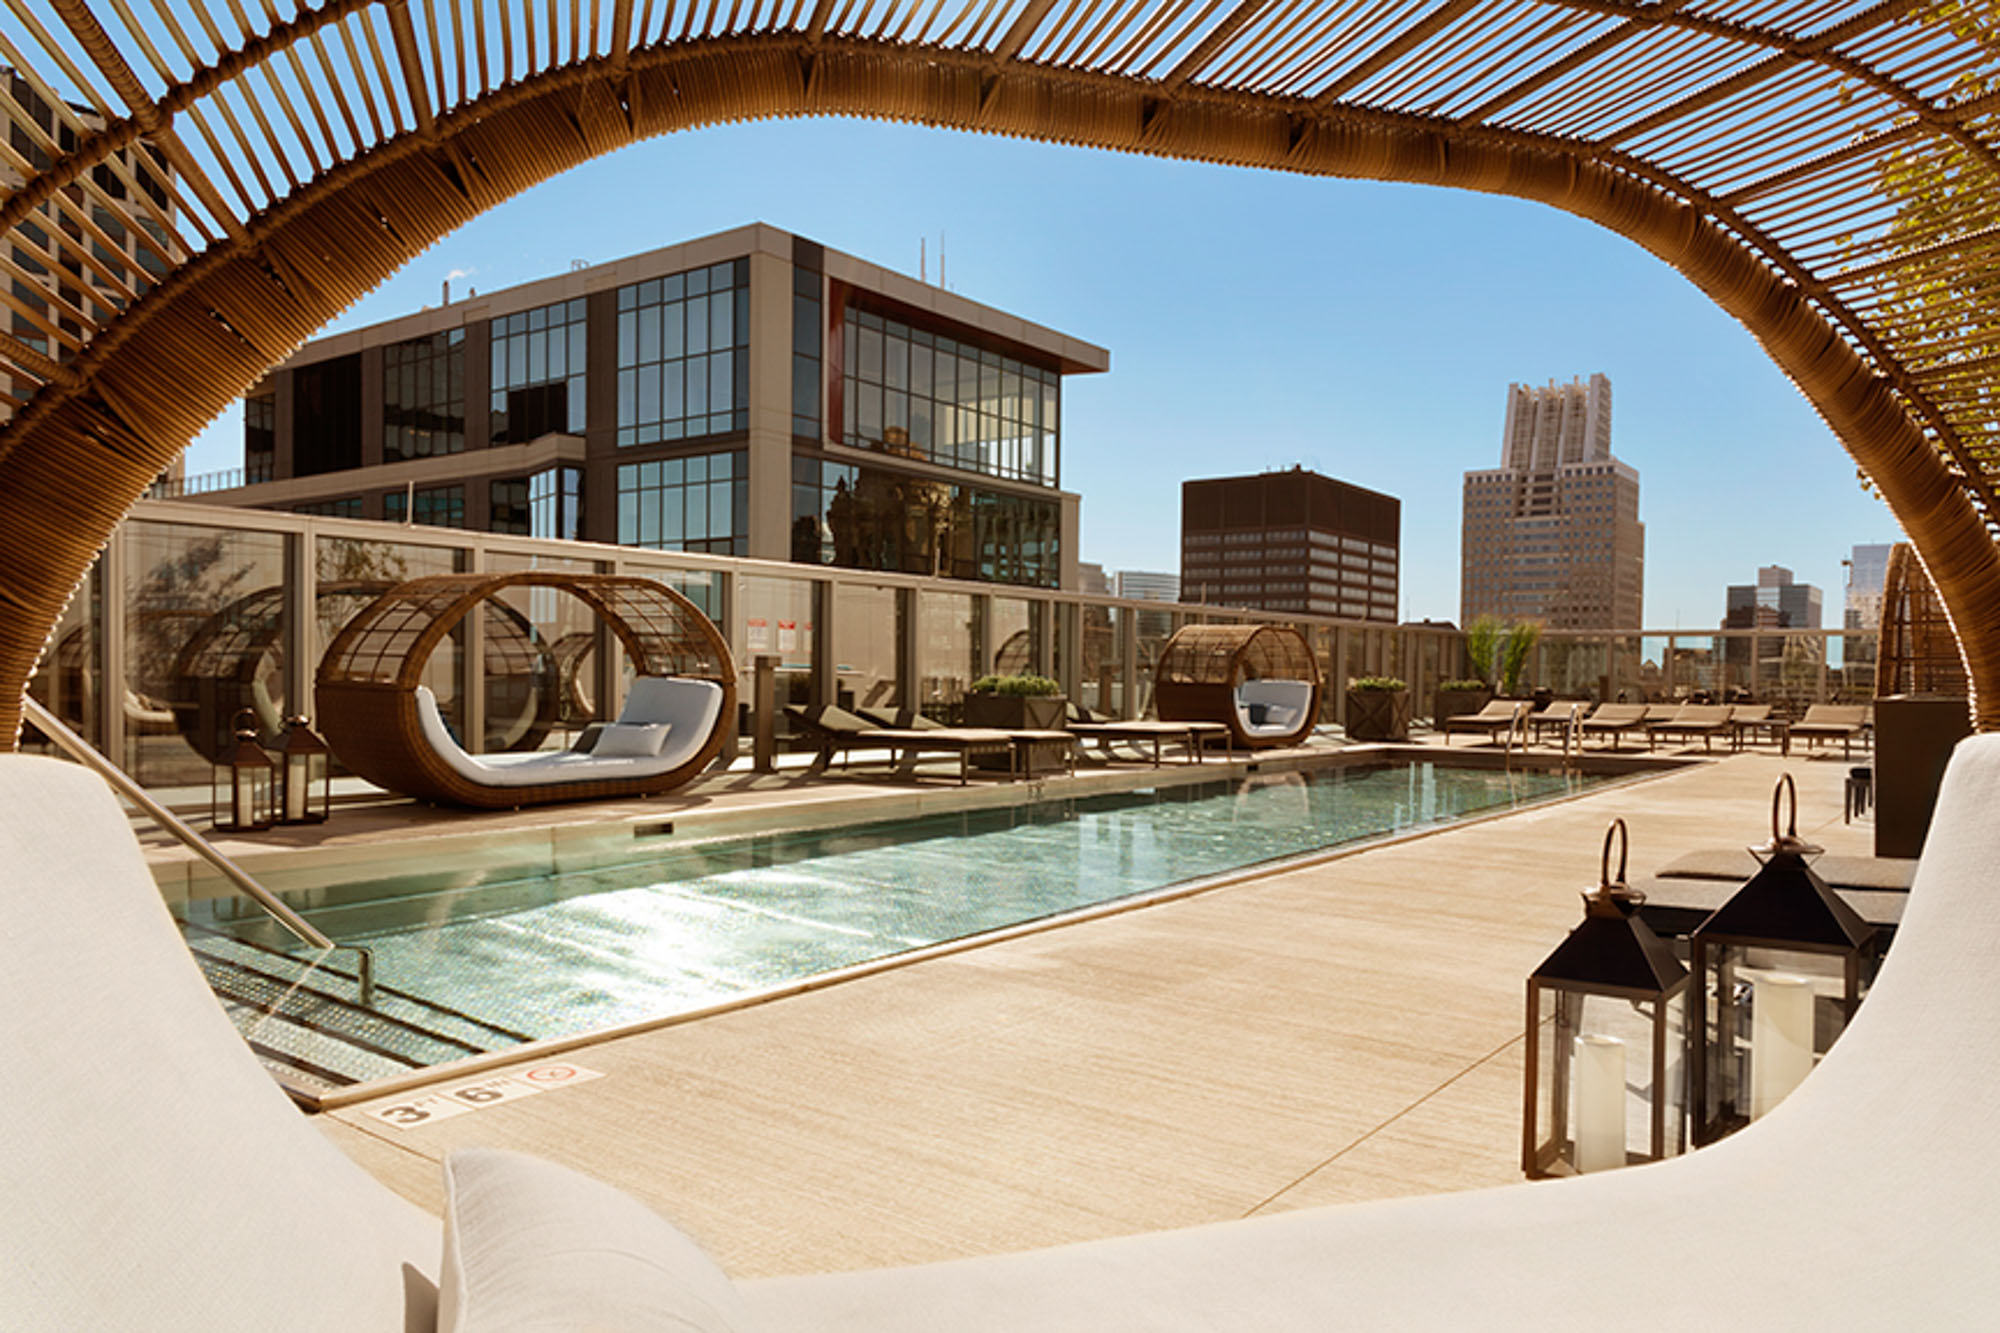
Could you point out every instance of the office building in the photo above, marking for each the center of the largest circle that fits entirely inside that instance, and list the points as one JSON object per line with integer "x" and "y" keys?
{"x": 1147, "y": 585}
{"x": 1553, "y": 534}
{"x": 1774, "y": 601}
{"x": 1867, "y": 572}
{"x": 749, "y": 393}
{"x": 1291, "y": 541}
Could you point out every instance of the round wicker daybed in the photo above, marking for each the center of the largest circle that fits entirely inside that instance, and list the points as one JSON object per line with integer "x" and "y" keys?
{"x": 1261, "y": 681}
{"x": 384, "y": 724}
{"x": 224, "y": 666}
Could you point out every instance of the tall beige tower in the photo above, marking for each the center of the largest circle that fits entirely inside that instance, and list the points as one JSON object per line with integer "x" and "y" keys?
{"x": 1553, "y": 534}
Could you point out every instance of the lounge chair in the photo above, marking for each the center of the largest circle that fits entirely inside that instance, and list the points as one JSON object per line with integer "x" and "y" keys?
{"x": 664, "y": 724}
{"x": 1826, "y": 722}
{"x": 1192, "y": 735}
{"x": 1559, "y": 716}
{"x": 1748, "y": 721}
{"x": 1499, "y": 715}
{"x": 1704, "y": 720}
{"x": 209, "y": 1202}
{"x": 837, "y": 731}
{"x": 1614, "y": 720}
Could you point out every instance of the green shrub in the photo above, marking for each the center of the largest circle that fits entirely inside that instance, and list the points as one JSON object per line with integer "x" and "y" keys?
{"x": 1521, "y": 639}
{"x": 1030, "y": 686}
{"x": 1379, "y": 683}
{"x": 1482, "y": 646}
{"x": 1467, "y": 684}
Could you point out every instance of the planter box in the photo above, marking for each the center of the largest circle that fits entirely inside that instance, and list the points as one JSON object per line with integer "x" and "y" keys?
{"x": 1378, "y": 715}
{"x": 1016, "y": 712}
{"x": 1458, "y": 703}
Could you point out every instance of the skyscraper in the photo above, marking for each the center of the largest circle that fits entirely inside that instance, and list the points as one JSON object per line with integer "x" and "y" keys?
{"x": 1553, "y": 534}
{"x": 1867, "y": 571}
{"x": 1290, "y": 541}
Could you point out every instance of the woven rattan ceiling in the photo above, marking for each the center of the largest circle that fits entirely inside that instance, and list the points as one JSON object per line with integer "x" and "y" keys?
{"x": 209, "y": 183}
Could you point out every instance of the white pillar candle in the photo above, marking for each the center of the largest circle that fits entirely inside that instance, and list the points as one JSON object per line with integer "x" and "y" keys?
{"x": 1781, "y": 1039}
{"x": 1600, "y": 1102}
{"x": 245, "y": 804}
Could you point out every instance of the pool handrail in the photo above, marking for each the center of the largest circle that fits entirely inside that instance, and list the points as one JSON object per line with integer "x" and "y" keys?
{"x": 81, "y": 750}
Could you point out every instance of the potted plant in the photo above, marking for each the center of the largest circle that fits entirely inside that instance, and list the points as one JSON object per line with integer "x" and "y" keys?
{"x": 1520, "y": 640}
{"x": 1456, "y": 698}
{"x": 1378, "y": 709}
{"x": 1015, "y": 703}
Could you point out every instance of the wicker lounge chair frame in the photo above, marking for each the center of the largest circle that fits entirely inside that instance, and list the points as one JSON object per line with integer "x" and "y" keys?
{"x": 1201, "y": 666}
{"x": 1497, "y": 716}
{"x": 1614, "y": 720}
{"x": 369, "y": 674}
{"x": 1828, "y": 722}
{"x": 1704, "y": 720}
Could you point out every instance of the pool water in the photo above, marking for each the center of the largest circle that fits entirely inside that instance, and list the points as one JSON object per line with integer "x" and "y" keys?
{"x": 689, "y": 927}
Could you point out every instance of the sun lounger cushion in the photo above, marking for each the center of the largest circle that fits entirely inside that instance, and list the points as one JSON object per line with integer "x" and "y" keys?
{"x": 631, "y": 740}
{"x": 529, "y": 1245}
{"x": 1273, "y": 707}
{"x": 684, "y": 709}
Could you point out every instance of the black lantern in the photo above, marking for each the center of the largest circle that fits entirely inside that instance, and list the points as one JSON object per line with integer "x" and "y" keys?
{"x": 305, "y": 780}
{"x": 1782, "y": 966}
{"x": 1606, "y": 1044}
{"x": 242, "y": 802}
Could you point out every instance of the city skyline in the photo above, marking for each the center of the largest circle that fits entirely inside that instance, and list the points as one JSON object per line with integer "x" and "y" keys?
{"x": 1365, "y": 331}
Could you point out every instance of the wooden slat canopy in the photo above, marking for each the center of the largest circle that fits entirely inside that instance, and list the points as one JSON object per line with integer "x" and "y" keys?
{"x": 1828, "y": 171}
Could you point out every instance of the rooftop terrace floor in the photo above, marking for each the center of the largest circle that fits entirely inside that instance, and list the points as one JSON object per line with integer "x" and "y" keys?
{"x": 1346, "y": 1031}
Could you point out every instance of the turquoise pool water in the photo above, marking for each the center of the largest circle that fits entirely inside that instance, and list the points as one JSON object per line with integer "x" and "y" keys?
{"x": 698, "y": 924}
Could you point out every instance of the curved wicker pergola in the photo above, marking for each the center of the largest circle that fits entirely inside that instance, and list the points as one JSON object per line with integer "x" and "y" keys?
{"x": 1201, "y": 666}
{"x": 368, "y": 677}
{"x": 1828, "y": 171}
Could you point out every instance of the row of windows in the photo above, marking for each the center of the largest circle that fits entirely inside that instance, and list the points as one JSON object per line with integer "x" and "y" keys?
{"x": 538, "y": 360}
{"x": 423, "y": 397}
{"x": 923, "y": 395}
{"x": 872, "y": 518}
{"x": 684, "y": 355}
{"x": 547, "y": 504}
{"x": 697, "y": 503}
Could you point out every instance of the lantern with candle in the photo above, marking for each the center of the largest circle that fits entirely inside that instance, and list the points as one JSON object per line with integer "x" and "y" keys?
{"x": 1606, "y": 1038}
{"x": 240, "y": 786}
{"x": 1781, "y": 968}
{"x": 305, "y": 786}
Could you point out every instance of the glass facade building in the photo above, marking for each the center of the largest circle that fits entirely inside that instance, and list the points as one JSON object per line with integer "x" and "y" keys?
{"x": 747, "y": 394}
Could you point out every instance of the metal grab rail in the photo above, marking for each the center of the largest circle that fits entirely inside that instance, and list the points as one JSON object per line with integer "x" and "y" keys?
{"x": 81, "y": 750}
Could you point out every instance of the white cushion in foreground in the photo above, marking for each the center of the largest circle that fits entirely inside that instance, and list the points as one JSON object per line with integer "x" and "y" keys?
{"x": 529, "y": 1245}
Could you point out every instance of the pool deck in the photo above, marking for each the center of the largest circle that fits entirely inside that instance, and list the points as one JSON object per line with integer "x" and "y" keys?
{"x": 1342, "y": 1032}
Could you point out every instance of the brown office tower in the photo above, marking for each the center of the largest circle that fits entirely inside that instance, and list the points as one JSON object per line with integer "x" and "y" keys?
{"x": 1290, "y": 541}
{"x": 1553, "y": 534}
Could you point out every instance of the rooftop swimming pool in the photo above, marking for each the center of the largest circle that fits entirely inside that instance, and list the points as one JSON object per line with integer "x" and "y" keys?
{"x": 504, "y": 957}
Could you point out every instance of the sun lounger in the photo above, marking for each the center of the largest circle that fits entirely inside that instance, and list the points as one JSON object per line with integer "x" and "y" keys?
{"x": 1826, "y": 722}
{"x": 1499, "y": 715}
{"x": 1086, "y": 725}
{"x": 1559, "y": 716}
{"x": 1614, "y": 720}
{"x": 839, "y": 732}
{"x": 1703, "y": 720}
{"x": 1749, "y": 721}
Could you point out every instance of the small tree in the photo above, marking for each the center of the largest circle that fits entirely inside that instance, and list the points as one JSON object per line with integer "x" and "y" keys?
{"x": 1521, "y": 638}
{"x": 1482, "y": 646}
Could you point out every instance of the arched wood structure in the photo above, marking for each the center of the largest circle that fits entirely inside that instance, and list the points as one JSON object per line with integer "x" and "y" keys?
{"x": 367, "y": 680}
{"x": 1201, "y": 667}
{"x": 1825, "y": 170}
{"x": 1918, "y": 654}
{"x": 217, "y": 671}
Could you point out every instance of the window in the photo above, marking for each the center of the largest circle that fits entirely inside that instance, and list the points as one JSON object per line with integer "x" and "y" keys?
{"x": 260, "y": 438}
{"x": 348, "y": 506}
{"x": 326, "y": 416}
{"x": 555, "y": 503}
{"x": 684, "y": 355}
{"x": 922, "y": 395}
{"x": 538, "y": 373}
{"x": 805, "y": 354}
{"x": 423, "y": 397}
{"x": 695, "y": 503}
{"x": 874, "y": 518}
{"x": 435, "y": 507}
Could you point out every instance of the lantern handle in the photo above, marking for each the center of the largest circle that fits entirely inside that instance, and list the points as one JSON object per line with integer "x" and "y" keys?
{"x": 1784, "y": 788}
{"x": 1604, "y": 865}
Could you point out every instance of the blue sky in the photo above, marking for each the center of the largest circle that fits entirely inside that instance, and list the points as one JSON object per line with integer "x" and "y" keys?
{"x": 1254, "y": 321}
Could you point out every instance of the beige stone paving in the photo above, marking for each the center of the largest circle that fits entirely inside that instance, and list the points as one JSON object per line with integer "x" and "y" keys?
{"x": 1343, "y": 1032}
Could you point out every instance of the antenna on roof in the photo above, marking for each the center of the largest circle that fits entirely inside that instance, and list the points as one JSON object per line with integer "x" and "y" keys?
{"x": 447, "y": 291}
{"x": 575, "y": 265}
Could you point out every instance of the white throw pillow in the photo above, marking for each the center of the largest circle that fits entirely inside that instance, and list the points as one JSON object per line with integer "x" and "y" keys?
{"x": 631, "y": 740}
{"x": 1274, "y": 716}
{"x": 529, "y": 1245}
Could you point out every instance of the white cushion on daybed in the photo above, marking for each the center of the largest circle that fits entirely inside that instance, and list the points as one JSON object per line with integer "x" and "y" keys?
{"x": 631, "y": 740}
{"x": 687, "y": 708}
{"x": 530, "y": 1246}
{"x": 1284, "y": 705}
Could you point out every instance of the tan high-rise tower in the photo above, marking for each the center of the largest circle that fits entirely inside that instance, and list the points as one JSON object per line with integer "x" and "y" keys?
{"x": 1554, "y": 533}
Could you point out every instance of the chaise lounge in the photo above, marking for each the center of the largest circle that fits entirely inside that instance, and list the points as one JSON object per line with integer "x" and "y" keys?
{"x": 158, "y": 1180}
{"x": 1499, "y": 715}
